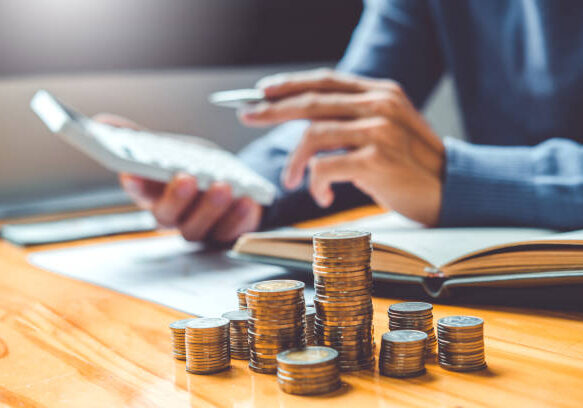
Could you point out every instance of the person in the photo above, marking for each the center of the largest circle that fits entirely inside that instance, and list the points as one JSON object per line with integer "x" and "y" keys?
{"x": 355, "y": 135}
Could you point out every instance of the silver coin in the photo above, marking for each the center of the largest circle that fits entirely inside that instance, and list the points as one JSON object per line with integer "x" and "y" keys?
{"x": 308, "y": 355}
{"x": 410, "y": 307}
{"x": 341, "y": 234}
{"x": 207, "y": 323}
{"x": 460, "y": 321}
{"x": 401, "y": 336}
{"x": 181, "y": 324}
{"x": 236, "y": 315}
{"x": 277, "y": 285}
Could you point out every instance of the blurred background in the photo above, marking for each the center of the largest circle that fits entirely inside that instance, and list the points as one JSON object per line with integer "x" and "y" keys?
{"x": 154, "y": 62}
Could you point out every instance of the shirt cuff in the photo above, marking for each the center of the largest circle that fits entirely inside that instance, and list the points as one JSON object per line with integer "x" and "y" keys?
{"x": 487, "y": 185}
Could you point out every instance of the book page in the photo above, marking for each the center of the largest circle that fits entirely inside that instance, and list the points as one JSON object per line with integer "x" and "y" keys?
{"x": 437, "y": 246}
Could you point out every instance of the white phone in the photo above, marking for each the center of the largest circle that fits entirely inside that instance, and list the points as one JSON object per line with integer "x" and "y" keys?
{"x": 237, "y": 98}
{"x": 156, "y": 156}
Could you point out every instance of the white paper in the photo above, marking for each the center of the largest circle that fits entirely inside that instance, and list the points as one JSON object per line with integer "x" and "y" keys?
{"x": 165, "y": 270}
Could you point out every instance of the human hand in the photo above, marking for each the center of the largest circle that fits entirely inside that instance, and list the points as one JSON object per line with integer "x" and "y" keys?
{"x": 199, "y": 215}
{"x": 391, "y": 154}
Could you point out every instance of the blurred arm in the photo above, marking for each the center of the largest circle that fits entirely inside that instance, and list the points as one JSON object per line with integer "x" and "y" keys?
{"x": 540, "y": 186}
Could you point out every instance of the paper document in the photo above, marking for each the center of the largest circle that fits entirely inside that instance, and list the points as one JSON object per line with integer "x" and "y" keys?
{"x": 165, "y": 270}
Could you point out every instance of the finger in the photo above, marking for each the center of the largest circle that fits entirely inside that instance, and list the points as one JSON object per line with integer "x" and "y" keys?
{"x": 243, "y": 216}
{"x": 319, "y": 80}
{"x": 327, "y": 135}
{"x": 316, "y": 106}
{"x": 176, "y": 198}
{"x": 117, "y": 121}
{"x": 144, "y": 192}
{"x": 207, "y": 211}
{"x": 324, "y": 171}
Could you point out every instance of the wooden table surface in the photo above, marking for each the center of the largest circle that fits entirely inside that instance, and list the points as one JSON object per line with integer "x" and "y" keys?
{"x": 68, "y": 343}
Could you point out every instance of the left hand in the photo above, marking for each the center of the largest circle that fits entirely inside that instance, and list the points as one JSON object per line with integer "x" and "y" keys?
{"x": 392, "y": 154}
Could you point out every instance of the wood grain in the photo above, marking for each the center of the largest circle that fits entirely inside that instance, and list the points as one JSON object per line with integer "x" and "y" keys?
{"x": 67, "y": 343}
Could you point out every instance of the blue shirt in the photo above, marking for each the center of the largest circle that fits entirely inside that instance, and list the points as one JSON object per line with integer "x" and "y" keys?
{"x": 518, "y": 71}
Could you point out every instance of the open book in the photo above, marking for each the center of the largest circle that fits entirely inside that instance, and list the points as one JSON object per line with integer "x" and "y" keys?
{"x": 439, "y": 258}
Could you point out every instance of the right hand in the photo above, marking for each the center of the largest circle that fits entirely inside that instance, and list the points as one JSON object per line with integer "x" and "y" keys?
{"x": 199, "y": 215}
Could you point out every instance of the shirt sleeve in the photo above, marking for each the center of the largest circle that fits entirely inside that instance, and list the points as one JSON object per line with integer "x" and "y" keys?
{"x": 397, "y": 39}
{"x": 540, "y": 186}
{"x": 394, "y": 39}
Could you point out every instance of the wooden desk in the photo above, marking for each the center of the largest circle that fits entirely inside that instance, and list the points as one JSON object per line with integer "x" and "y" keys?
{"x": 71, "y": 344}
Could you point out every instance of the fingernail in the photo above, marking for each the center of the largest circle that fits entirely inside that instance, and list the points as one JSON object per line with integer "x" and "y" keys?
{"x": 294, "y": 180}
{"x": 243, "y": 208}
{"x": 186, "y": 187}
{"x": 253, "y": 110}
{"x": 220, "y": 196}
{"x": 132, "y": 185}
{"x": 285, "y": 179}
{"x": 324, "y": 200}
{"x": 320, "y": 201}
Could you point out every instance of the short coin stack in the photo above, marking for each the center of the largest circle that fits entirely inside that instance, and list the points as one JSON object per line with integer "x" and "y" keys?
{"x": 277, "y": 320}
{"x": 403, "y": 353}
{"x": 310, "y": 317}
{"x": 207, "y": 345}
{"x": 177, "y": 332}
{"x": 238, "y": 333}
{"x": 414, "y": 316}
{"x": 343, "y": 284}
{"x": 242, "y": 299}
{"x": 461, "y": 343}
{"x": 308, "y": 371}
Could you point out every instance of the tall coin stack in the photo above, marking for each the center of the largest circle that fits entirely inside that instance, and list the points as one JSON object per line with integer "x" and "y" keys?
{"x": 277, "y": 320}
{"x": 343, "y": 300}
{"x": 309, "y": 371}
{"x": 238, "y": 333}
{"x": 207, "y": 345}
{"x": 414, "y": 316}
{"x": 403, "y": 353}
{"x": 461, "y": 343}
{"x": 242, "y": 298}
{"x": 310, "y": 316}
{"x": 177, "y": 333}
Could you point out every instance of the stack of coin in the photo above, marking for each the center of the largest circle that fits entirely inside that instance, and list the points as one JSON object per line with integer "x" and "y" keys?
{"x": 277, "y": 321}
{"x": 403, "y": 353}
{"x": 308, "y": 371}
{"x": 343, "y": 284}
{"x": 310, "y": 317}
{"x": 238, "y": 333}
{"x": 207, "y": 345}
{"x": 414, "y": 316}
{"x": 177, "y": 333}
{"x": 242, "y": 299}
{"x": 461, "y": 343}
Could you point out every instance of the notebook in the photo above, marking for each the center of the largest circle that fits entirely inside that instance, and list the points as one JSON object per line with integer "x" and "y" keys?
{"x": 440, "y": 259}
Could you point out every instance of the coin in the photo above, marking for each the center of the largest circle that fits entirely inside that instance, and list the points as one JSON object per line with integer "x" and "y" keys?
{"x": 241, "y": 292}
{"x": 310, "y": 317}
{"x": 208, "y": 323}
{"x": 461, "y": 343}
{"x": 414, "y": 316}
{"x": 238, "y": 336}
{"x": 207, "y": 345}
{"x": 343, "y": 301}
{"x": 177, "y": 333}
{"x": 277, "y": 321}
{"x": 461, "y": 321}
{"x": 403, "y": 353}
{"x": 308, "y": 371}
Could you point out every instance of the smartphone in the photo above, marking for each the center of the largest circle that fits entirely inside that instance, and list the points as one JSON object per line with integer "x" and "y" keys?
{"x": 237, "y": 98}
